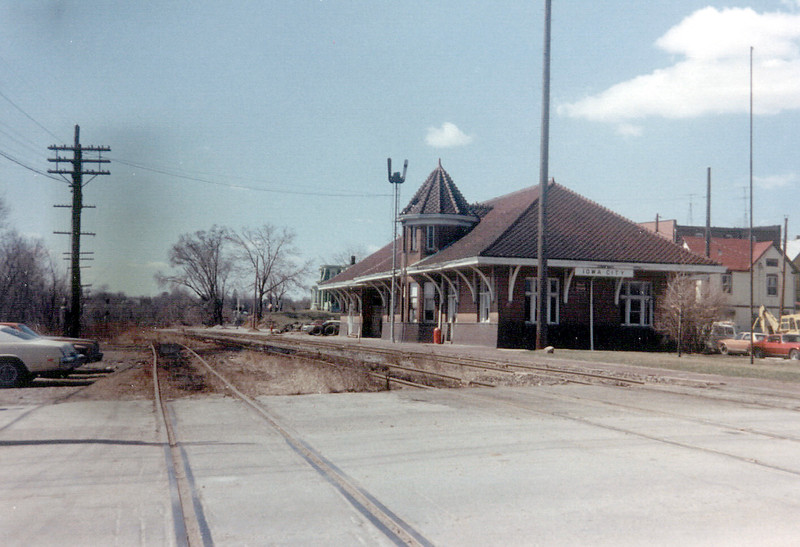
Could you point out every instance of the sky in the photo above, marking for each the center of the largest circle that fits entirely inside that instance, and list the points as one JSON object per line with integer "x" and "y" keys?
{"x": 242, "y": 113}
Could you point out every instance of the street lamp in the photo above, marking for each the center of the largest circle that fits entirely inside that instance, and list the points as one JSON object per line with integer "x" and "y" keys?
{"x": 396, "y": 179}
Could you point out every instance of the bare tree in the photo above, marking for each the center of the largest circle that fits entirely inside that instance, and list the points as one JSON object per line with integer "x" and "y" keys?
{"x": 688, "y": 311}
{"x": 204, "y": 265}
{"x": 346, "y": 256}
{"x": 31, "y": 287}
{"x": 273, "y": 263}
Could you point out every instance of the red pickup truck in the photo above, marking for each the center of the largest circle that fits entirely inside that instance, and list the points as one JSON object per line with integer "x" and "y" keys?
{"x": 778, "y": 345}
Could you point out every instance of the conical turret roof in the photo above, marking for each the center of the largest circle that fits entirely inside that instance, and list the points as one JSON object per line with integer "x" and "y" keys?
{"x": 438, "y": 196}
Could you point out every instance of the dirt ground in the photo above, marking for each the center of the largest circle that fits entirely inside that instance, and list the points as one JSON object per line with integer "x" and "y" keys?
{"x": 125, "y": 373}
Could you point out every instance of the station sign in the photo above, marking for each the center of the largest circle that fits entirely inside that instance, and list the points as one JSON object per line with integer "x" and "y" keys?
{"x": 601, "y": 271}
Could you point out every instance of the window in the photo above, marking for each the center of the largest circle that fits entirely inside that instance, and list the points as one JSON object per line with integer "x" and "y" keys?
{"x": 772, "y": 262}
{"x": 485, "y": 304}
{"x": 413, "y": 302}
{"x": 532, "y": 300}
{"x": 727, "y": 283}
{"x": 430, "y": 238}
{"x": 412, "y": 236}
{"x": 429, "y": 304}
{"x": 772, "y": 285}
{"x": 636, "y": 303}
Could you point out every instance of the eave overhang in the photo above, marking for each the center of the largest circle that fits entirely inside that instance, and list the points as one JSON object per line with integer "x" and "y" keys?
{"x": 419, "y": 269}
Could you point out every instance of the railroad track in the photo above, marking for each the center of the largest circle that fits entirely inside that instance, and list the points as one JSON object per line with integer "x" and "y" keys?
{"x": 529, "y": 406}
{"x": 392, "y": 374}
{"x": 189, "y": 522}
{"x": 773, "y": 399}
{"x": 190, "y": 525}
{"x": 314, "y": 349}
{"x": 532, "y": 407}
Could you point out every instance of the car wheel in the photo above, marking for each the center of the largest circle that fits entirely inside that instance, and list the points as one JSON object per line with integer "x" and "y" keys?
{"x": 758, "y": 353}
{"x": 794, "y": 354}
{"x": 13, "y": 373}
{"x": 723, "y": 349}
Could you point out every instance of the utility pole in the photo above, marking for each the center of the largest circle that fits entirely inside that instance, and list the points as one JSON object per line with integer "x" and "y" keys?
{"x": 76, "y": 172}
{"x": 544, "y": 158}
{"x": 708, "y": 214}
{"x": 750, "y": 229}
{"x": 783, "y": 260}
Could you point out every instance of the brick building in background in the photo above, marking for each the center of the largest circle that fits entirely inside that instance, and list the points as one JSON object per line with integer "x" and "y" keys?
{"x": 471, "y": 271}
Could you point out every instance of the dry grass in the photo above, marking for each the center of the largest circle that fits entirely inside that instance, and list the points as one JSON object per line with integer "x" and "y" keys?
{"x": 260, "y": 374}
{"x": 725, "y": 365}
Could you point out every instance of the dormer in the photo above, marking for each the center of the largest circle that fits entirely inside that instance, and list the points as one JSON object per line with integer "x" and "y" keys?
{"x": 435, "y": 217}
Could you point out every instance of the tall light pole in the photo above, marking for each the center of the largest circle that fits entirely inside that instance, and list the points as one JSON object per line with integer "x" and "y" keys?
{"x": 544, "y": 156}
{"x": 396, "y": 179}
{"x": 750, "y": 231}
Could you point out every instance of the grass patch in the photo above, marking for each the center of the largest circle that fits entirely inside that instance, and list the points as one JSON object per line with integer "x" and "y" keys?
{"x": 739, "y": 366}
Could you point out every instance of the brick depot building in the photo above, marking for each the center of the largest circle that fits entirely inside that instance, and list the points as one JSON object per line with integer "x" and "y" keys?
{"x": 471, "y": 271}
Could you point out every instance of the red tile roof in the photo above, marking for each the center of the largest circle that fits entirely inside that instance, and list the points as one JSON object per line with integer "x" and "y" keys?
{"x": 734, "y": 254}
{"x": 578, "y": 230}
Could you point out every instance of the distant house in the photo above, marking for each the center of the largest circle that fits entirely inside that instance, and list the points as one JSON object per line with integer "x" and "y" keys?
{"x": 768, "y": 272}
{"x": 471, "y": 271}
{"x": 321, "y": 300}
{"x": 676, "y": 232}
{"x": 793, "y": 254}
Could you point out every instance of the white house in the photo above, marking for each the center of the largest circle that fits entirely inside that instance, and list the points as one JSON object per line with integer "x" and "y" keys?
{"x": 769, "y": 283}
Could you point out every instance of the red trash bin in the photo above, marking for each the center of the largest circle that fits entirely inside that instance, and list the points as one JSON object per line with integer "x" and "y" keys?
{"x": 437, "y": 335}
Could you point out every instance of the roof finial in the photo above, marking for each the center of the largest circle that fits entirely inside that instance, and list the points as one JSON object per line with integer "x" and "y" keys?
{"x": 440, "y": 162}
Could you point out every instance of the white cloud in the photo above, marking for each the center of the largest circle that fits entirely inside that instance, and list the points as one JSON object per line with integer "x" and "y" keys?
{"x": 447, "y": 136}
{"x": 775, "y": 181}
{"x": 712, "y": 74}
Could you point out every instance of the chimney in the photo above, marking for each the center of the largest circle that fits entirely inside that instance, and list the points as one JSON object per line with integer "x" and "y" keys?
{"x": 352, "y": 259}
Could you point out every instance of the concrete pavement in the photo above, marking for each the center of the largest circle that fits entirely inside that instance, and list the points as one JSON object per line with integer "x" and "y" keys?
{"x": 549, "y": 465}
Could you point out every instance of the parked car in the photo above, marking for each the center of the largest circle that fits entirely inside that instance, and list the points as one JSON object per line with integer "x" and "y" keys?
{"x": 720, "y": 330}
{"x": 22, "y": 357}
{"x": 90, "y": 349}
{"x": 739, "y": 344}
{"x": 330, "y": 328}
{"x": 778, "y": 345}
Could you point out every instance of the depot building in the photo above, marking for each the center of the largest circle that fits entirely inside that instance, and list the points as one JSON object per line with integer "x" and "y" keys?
{"x": 470, "y": 271}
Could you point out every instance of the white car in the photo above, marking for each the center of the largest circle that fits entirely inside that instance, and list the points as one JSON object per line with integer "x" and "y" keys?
{"x": 22, "y": 357}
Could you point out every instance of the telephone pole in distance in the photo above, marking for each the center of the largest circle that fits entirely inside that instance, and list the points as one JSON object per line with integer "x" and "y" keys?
{"x": 76, "y": 183}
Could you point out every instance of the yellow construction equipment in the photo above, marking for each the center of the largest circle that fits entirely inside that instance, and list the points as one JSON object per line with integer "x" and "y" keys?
{"x": 768, "y": 324}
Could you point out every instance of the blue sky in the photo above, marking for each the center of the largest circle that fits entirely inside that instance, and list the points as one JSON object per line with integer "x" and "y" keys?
{"x": 240, "y": 113}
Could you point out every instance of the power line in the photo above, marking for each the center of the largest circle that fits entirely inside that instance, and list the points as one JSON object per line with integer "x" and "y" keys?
{"x": 241, "y": 186}
{"x": 31, "y": 118}
{"x": 28, "y": 167}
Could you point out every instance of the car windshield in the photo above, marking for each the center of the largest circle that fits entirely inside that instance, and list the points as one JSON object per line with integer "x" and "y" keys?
{"x": 27, "y": 330}
{"x": 791, "y": 338}
{"x": 16, "y": 333}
